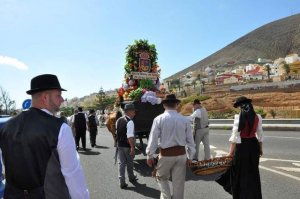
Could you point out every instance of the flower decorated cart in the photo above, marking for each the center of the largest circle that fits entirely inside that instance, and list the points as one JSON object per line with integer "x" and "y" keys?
{"x": 141, "y": 86}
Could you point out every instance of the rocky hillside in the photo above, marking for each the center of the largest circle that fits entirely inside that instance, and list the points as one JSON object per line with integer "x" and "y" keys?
{"x": 285, "y": 104}
{"x": 273, "y": 40}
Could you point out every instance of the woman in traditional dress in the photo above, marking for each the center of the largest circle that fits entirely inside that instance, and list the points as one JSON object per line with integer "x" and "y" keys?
{"x": 242, "y": 180}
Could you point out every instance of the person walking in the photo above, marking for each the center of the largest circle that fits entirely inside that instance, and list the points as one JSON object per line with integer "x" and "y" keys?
{"x": 93, "y": 123}
{"x": 38, "y": 149}
{"x": 172, "y": 134}
{"x": 125, "y": 145}
{"x": 80, "y": 125}
{"x": 243, "y": 179}
{"x": 63, "y": 117}
{"x": 200, "y": 128}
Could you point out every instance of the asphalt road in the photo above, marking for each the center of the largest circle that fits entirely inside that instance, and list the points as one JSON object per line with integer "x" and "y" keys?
{"x": 279, "y": 169}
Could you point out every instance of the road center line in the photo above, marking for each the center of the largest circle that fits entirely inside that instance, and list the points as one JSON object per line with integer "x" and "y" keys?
{"x": 266, "y": 136}
{"x": 280, "y": 173}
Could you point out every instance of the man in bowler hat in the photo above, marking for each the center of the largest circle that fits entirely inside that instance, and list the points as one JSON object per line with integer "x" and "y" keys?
{"x": 39, "y": 151}
{"x": 125, "y": 145}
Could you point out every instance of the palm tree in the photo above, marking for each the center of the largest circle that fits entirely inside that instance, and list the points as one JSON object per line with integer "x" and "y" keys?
{"x": 268, "y": 70}
{"x": 287, "y": 69}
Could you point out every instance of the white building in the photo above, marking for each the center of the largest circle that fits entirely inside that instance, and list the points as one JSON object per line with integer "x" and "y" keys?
{"x": 291, "y": 58}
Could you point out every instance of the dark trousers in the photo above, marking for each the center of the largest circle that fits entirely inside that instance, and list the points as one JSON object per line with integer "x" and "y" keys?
{"x": 93, "y": 134}
{"x": 80, "y": 134}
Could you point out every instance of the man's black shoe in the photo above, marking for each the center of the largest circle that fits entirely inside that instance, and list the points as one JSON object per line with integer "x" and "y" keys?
{"x": 123, "y": 186}
{"x": 133, "y": 180}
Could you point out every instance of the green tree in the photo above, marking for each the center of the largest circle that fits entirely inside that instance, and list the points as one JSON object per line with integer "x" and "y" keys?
{"x": 286, "y": 68}
{"x": 100, "y": 99}
{"x": 267, "y": 68}
{"x": 273, "y": 113}
{"x": 194, "y": 83}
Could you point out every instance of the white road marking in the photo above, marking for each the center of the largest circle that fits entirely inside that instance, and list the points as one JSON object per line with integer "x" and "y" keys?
{"x": 220, "y": 152}
{"x": 297, "y": 138}
{"x": 289, "y": 169}
{"x": 280, "y": 173}
{"x": 278, "y": 160}
{"x": 266, "y": 136}
{"x": 296, "y": 164}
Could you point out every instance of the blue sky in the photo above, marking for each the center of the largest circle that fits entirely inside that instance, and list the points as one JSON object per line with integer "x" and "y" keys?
{"x": 83, "y": 41}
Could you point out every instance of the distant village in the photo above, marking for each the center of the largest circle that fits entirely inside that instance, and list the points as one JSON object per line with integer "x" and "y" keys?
{"x": 260, "y": 74}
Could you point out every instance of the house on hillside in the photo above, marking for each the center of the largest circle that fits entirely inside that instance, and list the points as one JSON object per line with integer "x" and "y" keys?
{"x": 291, "y": 58}
{"x": 227, "y": 78}
{"x": 294, "y": 62}
{"x": 254, "y": 72}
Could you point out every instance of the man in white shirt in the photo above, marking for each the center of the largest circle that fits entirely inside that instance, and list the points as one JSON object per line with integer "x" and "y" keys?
{"x": 39, "y": 150}
{"x": 125, "y": 145}
{"x": 171, "y": 133}
{"x": 200, "y": 128}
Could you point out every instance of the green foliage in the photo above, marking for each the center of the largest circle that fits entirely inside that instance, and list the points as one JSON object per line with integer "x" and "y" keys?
{"x": 261, "y": 112}
{"x": 136, "y": 94}
{"x": 67, "y": 110}
{"x": 222, "y": 115}
{"x": 273, "y": 113}
{"x": 193, "y": 97}
{"x": 132, "y": 54}
{"x": 147, "y": 84}
{"x": 102, "y": 101}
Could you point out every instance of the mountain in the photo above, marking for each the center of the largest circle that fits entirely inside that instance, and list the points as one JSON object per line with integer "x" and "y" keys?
{"x": 271, "y": 41}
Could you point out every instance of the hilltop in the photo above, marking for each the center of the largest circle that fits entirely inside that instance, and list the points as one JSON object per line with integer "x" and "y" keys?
{"x": 270, "y": 41}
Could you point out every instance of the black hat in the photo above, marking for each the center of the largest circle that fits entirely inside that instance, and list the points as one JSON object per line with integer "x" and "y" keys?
{"x": 196, "y": 101}
{"x": 92, "y": 111}
{"x": 44, "y": 82}
{"x": 171, "y": 98}
{"x": 129, "y": 107}
{"x": 241, "y": 100}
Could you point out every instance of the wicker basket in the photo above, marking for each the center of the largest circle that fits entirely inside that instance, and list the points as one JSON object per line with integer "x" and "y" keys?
{"x": 211, "y": 166}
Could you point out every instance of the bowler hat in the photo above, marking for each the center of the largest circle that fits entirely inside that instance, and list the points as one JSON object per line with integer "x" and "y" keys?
{"x": 196, "y": 101}
{"x": 171, "y": 98}
{"x": 241, "y": 100}
{"x": 129, "y": 107}
{"x": 44, "y": 82}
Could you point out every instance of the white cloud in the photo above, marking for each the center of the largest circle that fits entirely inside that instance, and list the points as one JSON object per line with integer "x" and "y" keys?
{"x": 13, "y": 62}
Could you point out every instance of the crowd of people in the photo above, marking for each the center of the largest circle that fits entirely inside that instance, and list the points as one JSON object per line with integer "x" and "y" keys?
{"x": 39, "y": 150}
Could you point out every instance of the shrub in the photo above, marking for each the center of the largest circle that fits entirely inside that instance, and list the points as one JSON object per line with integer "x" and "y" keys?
{"x": 261, "y": 112}
{"x": 193, "y": 97}
{"x": 273, "y": 113}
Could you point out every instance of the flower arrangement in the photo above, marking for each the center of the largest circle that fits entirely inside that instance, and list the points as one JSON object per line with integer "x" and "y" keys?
{"x": 141, "y": 71}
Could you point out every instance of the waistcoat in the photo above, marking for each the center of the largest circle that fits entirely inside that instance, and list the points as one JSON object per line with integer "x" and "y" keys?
{"x": 200, "y": 123}
{"x": 29, "y": 150}
{"x": 92, "y": 121}
{"x": 80, "y": 122}
{"x": 121, "y": 128}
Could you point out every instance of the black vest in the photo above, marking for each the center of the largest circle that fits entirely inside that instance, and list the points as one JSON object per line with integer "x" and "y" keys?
{"x": 92, "y": 122}
{"x": 121, "y": 129}
{"x": 80, "y": 122}
{"x": 29, "y": 150}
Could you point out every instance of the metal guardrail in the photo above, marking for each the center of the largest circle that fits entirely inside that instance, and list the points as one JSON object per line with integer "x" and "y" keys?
{"x": 268, "y": 124}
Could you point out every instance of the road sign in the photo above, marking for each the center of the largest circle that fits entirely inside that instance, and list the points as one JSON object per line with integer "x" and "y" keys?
{"x": 26, "y": 104}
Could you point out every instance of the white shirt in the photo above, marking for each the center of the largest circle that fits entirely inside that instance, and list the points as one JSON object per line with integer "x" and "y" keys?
{"x": 130, "y": 129}
{"x": 170, "y": 129}
{"x": 70, "y": 163}
{"x": 235, "y": 135}
{"x": 196, "y": 113}
{"x": 73, "y": 117}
